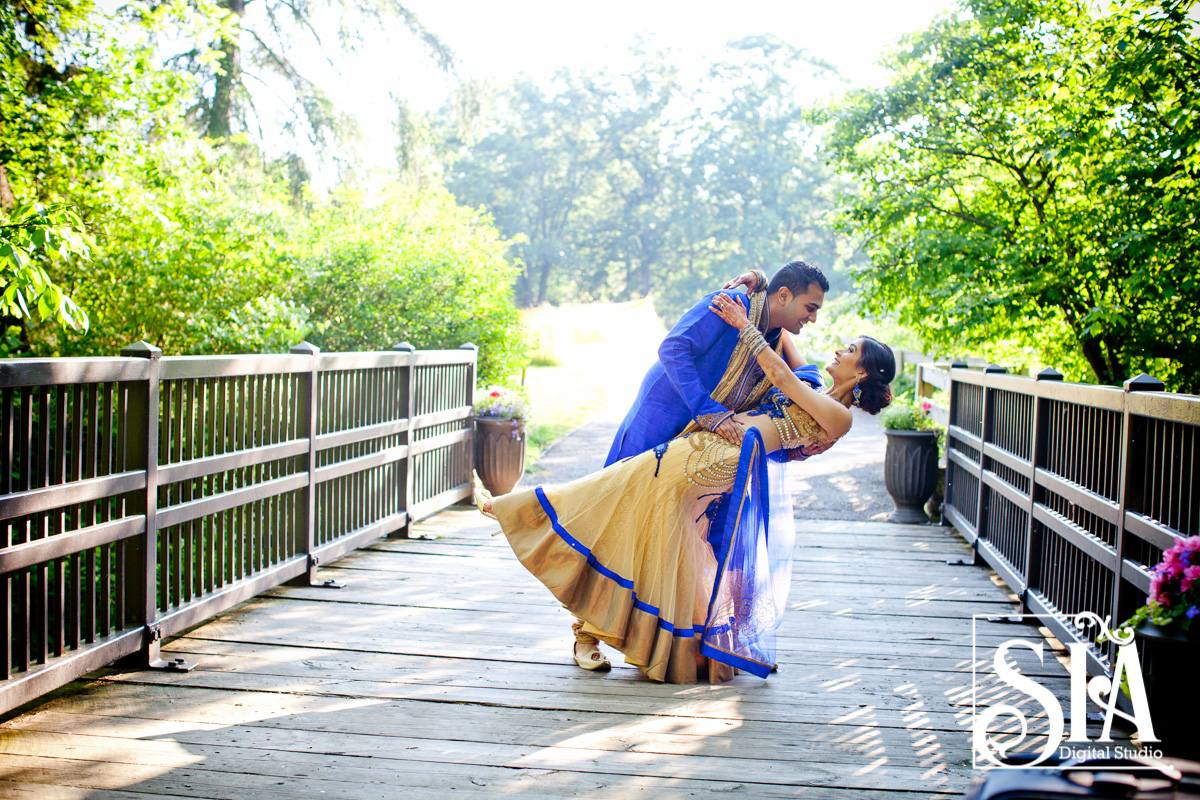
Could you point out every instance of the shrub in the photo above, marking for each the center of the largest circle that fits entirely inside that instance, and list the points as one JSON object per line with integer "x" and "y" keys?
{"x": 414, "y": 267}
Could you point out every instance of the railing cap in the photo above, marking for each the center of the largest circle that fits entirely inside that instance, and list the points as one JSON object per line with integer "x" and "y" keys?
{"x": 469, "y": 346}
{"x": 305, "y": 349}
{"x": 404, "y": 347}
{"x": 141, "y": 350}
{"x": 958, "y": 363}
{"x": 1144, "y": 383}
{"x": 995, "y": 368}
{"x": 1049, "y": 374}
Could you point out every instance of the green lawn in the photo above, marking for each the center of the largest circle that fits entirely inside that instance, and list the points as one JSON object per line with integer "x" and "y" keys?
{"x": 600, "y": 352}
{"x": 562, "y": 398}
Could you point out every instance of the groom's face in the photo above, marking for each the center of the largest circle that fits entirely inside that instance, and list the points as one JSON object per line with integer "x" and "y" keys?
{"x": 801, "y": 309}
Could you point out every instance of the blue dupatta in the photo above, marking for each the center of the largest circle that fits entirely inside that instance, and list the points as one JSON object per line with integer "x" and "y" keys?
{"x": 754, "y": 564}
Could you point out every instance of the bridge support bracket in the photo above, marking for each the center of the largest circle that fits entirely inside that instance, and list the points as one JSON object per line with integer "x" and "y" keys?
{"x": 313, "y": 562}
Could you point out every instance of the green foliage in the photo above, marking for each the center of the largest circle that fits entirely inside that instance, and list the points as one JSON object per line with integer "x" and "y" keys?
{"x": 194, "y": 255}
{"x": 73, "y": 96}
{"x": 32, "y": 235}
{"x": 1029, "y": 176}
{"x": 905, "y": 416}
{"x": 412, "y": 266}
{"x": 201, "y": 248}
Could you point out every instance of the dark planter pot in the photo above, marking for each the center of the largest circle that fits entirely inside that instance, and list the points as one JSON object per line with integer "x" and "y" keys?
{"x": 499, "y": 453}
{"x": 1169, "y": 659}
{"x": 910, "y": 473}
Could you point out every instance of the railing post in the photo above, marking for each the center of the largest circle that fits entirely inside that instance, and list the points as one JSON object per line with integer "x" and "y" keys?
{"x": 952, "y": 414}
{"x": 1037, "y": 457}
{"x": 986, "y": 430}
{"x": 1126, "y": 488}
{"x": 472, "y": 368}
{"x": 406, "y": 479}
{"x": 141, "y": 553}
{"x": 308, "y": 402}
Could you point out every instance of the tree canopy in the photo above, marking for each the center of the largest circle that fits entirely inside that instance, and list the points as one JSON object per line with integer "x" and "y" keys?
{"x": 1029, "y": 175}
{"x": 120, "y": 220}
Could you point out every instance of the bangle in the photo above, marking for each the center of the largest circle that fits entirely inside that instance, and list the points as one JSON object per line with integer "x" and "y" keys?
{"x": 760, "y": 280}
{"x": 753, "y": 339}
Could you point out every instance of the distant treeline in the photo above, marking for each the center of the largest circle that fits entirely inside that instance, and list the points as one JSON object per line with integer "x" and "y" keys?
{"x": 615, "y": 186}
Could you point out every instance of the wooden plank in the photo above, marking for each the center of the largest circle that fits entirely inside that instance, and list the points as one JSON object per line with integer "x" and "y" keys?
{"x": 181, "y": 367}
{"x": 25, "y": 372}
{"x": 47, "y": 498}
{"x": 420, "y": 752}
{"x": 344, "y": 777}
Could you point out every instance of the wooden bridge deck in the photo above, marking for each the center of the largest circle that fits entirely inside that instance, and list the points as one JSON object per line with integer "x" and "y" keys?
{"x": 444, "y": 667}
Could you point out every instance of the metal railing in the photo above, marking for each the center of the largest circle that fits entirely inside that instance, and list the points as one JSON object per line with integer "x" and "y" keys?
{"x": 1070, "y": 492}
{"x": 141, "y": 495}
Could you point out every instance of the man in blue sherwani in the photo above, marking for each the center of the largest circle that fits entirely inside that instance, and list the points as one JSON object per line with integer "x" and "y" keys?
{"x": 693, "y": 358}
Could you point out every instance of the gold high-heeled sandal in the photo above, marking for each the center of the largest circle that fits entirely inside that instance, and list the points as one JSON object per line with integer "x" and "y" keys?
{"x": 595, "y": 660}
{"x": 481, "y": 496}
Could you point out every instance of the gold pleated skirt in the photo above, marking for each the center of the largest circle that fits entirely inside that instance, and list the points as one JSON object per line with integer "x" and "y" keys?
{"x": 625, "y": 549}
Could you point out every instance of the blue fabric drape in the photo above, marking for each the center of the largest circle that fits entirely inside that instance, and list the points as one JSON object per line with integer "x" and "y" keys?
{"x": 753, "y": 571}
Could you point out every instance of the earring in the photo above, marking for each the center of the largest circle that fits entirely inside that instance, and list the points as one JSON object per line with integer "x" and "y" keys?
{"x": 857, "y": 394}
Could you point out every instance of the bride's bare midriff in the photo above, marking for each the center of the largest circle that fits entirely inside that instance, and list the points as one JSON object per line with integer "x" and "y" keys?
{"x": 770, "y": 434}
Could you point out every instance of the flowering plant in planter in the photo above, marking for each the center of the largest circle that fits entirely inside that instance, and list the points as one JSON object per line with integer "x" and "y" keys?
{"x": 1174, "y": 589}
{"x": 908, "y": 417}
{"x": 497, "y": 403}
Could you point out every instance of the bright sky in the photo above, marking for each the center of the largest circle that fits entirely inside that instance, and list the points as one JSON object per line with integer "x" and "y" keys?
{"x": 501, "y": 40}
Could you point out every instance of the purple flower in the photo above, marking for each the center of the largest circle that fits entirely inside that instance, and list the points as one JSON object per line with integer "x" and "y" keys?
{"x": 1192, "y": 612}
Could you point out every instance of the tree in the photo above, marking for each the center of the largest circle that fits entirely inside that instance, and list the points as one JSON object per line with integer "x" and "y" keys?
{"x": 1030, "y": 174}
{"x": 412, "y": 266}
{"x": 265, "y": 52}
{"x": 72, "y": 97}
{"x": 753, "y": 191}
{"x": 614, "y": 187}
{"x": 538, "y": 163}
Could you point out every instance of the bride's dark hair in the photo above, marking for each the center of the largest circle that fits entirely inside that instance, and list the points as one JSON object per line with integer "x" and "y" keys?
{"x": 880, "y": 365}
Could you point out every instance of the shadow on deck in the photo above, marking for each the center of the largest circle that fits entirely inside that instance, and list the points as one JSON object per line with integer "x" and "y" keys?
{"x": 443, "y": 666}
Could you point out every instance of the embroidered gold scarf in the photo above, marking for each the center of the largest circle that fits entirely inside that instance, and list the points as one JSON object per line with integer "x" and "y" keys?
{"x": 743, "y": 384}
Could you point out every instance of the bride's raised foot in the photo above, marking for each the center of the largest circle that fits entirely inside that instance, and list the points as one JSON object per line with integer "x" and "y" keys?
{"x": 588, "y": 656}
{"x": 482, "y": 497}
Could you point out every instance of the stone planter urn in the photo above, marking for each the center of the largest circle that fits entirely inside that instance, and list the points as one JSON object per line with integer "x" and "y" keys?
{"x": 499, "y": 453}
{"x": 1169, "y": 657}
{"x": 910, "y": 473}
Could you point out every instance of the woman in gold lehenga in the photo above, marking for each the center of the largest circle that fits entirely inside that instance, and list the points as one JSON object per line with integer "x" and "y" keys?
{"x": 666, "y": 555}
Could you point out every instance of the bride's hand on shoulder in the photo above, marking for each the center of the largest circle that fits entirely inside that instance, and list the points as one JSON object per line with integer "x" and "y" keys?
{"x": 730, "y": 310}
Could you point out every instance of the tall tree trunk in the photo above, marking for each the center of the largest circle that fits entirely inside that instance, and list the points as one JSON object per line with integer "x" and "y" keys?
{"x": 220, "y": 115}
{"x": 7, "y": 200}
{"x": 1116, "y": 364}
{"x": 1094, "y": 354}
{"x": 544, "y": 279}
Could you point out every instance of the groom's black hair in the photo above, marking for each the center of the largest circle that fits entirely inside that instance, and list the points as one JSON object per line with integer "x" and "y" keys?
{"x": 797, "y": 276}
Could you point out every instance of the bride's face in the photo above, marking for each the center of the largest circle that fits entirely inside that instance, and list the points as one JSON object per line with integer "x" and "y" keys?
{"x": 845, "y": 364}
